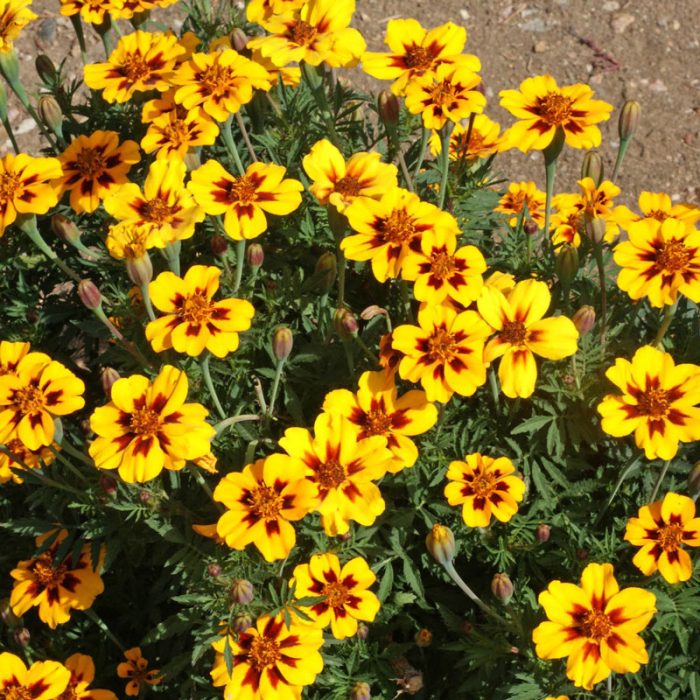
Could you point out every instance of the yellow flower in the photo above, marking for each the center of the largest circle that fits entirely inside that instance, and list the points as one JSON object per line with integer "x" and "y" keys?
{"x": 522, "y": 333}
{"x": 444, "y": 352}
{"x": 661, "y": 529}
{"x": 126, "y": 9}
{"x": 522, "y": 194}
{"x": 595, "y": 624}
{"x": 129, "y": 241}
{"x": 92, "y": 11}
{"x": 484, "y": 140}
{"x": 340, "y": 183}
{"x": 244, "y": 200}
{"x": 49, "y": 678}
{"x": 568, "y": 219}
{"x": 542, "y": 106}
{"x": 135, "y": 669}
{"x": 258, "y": 11}
{"x": 657, "y": 206}
{"x": 193, "y": 321}
{"x": 142, "y": 61}
{"x": 26, "y": 186}
{"x": 485, "y": 487}
{"x": 20, "y": 459}
{"x": 93, "y": 166}
{"x": 659, "y": 261}
{"x": 344, "y": 591}
{"x": 14, "y": 17}
{"x": 658, "y": 402}
{"x": 82, "y": 674}
{"x": 147, "y": 427}
{"x": 10, "y": 355}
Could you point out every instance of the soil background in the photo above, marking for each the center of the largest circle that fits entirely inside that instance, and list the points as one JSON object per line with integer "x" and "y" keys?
{"x": 625, "y": 49}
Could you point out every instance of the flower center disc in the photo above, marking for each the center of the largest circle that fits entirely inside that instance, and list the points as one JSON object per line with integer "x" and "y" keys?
{"x": 266, "y": 502}
{"x": 483, "y": 485}
{"x": 336, "y": 593}
{"x": 348, "y": 186}
{"x": 215, "y": 79}
{"x": 158, "y": 211}
{"x": 442, "y": 264}
{"x": 302, "y": 33}
{"x": 654, "y": 403}
{"x": 243, "y": 190}
{"x": 671, "y": 537}
{"x": 330, "y": 474}
{"x": 29, "y": 399}
{"x": 196, "y": 309}
{"x": 145, "y": 422}
{"x": 90, "y": 162}
{"x": 45, "y": 573}
{"x": 376, "y": 422}
{"x": 674, "y": 256}
{"x": 440, "y": 346}
{"x": 514, "y": 332}
{"x": 135, "y": 68}
{"x": 16, "y": 693}
{"x": 9, "y": 184}
{"x": 398, "y": 227}
{"x": 554, "y": 108}
{"x": 443, "y": 93}
{"x": 264, "y": 652}
{"x": 596, "y": 626}
{"x": 418, "y": 58}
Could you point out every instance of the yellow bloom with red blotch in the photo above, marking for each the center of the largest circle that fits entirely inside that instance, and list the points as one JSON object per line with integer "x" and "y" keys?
{"x": 135, "y": 668}
{"x": 595, "y": 624}
{"x": 93, "y": 166}
{"x": 661, "y": 529}
{"x": 92, "y": 11}
{"x": 484, "y": 140}
{"x": 568, "y": 219}
{"x": 318, "y": 32}
{"x": 43, "y": 680}
{"x": 377, "y": 409}
{"x": 10, "y": 355}
{"x": 658, "y": 402}
{"x": 26, "y": 186}
{"x": 522, "y": 333}
{"x": 658, "y": 206}
{"x": 20, "y": 459}
{"x": 141, "y": 61}
{"x": 542, "y": 107}
{"x": 386, "y": 229}
{"x": 520, "y": 195}
{"x": 15, "y": 15}
{"x": 484, "y": 487}
{"x": 127, "y": 9}
{"x": 258, "y": 11}
{"x": 39, "y": 390}
{"x": 345, "y": 592}
{"x": 414, "y": 51}
{"x": 343, "y": 468}
{"x": 261, "y": 502}
{"x": 129, "y": 241}
{"x": 148, "y": 427}
{"x": 446, "y": 94}
{"x": 56, "y": 587}
{"x": 271, "y": 661}
{"x": 244, "y": 200}
{"x": 340, "y": 183}
{"x": 165, "y": 202}
{"x": 193, "y": 321}
{"x": 660, "y": 260}
{"x": 444, "y": 352}
{"x": 82, "y": 674}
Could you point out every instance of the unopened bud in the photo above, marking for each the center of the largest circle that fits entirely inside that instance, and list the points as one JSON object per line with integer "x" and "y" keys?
{"x": 424, "y": 638}
{"x": 440, "y": 542}
{"x": 371, "y": 311}
{"x": 362, "y": 631}
{"x": 65, "y": 229}
{"x": 192, "y": 160}
{"x": 388, "y": 106}
{"x": 108, "y": 484}
{"x": 530, "y": 227}
{"x": 45, "y": 68}
{"x": 108, "y": 376}
{"x": 282, "y": 343}
{"x": 694, "y": 480}
{"x": 144, "y": 496}
{"x": 22, "y": 637}
{"x": 584, "y": 319}
{"x": 542, "y": 533}
{"x": 214, "y": 570}
{"x": 57, "y": 430}
{"x": 9, "y": 619}
{"x": 241, "y": 623}
{"x": 238, "y": 39}
{"x": 51, "y": 114}
{"x": 360, "y": 691}
{"x": 255, "y": 255}
{"x": 502, "y": 587}
{"x": 140, "y": 270}
{"x": 345, "y": 322}
{"x": 241, "y": 591}
{"x": 567, "y": 263}
{"x": 219, "y": 245}
{"x": 412, "y": 683}
{"x": 326, "y": 270}
{"x": 582, "y": 554}
{"x": 595, "y": 229}
{"x": 89, "y": 294}
{"x": 592, "y": 167}
{"x": 629, "y": 119}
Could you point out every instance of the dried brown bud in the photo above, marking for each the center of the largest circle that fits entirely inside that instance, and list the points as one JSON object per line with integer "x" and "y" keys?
{"x": 542, "y": 533}
{"x": 65, "y": 229}
{"x": 371, "y": 311}
{"x": 89, "y": 294}
{"x": 282, "y": 343}
{"x": 45, "y": 68}
{"x": 241, "y": 591}
{"x": 360, "y": 691}
{"x": 412, "y": 683}
{"x": 567, "y": 263}
{"x": 423, "y": 637}
{"x": 629, "y": 119}
{"x": 255, "y": 255}
{"x": 219, "y": 245}
{"x": 389, "y": 107}
{"x": 51, "y": 114}
{"x": 241, "y": 623}
{"x": 192, "y": 160}
{"x": 108, "y": 376}
{"x": 502, "y": 587}
{"x": 582, "y": 554}
{"x": 592, "y": 167}
{"x": 346, "y": 325}
{"x": 22, "y": 637}
{"x": 214, "y": 570}
{"x": 326, "y": 270}
{"x": 238, "y": 39}
{"x": 140, "y": 270}
{"x": 530, "y": 227}
{"x": 362, "y": 631}
{"x": 584, "y": 319}
{"x": 108, "y": 484}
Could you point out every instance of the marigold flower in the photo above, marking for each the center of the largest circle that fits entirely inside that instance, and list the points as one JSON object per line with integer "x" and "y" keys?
{"x": 129, "y": 241}
{"x": 147, "y": 427}
{"x": 659, "y": 261}
{"x": 92, "y": 11}
{"x": 82, "y": 674}
{"x": 176, "y": 132}
{"x": 20, "y": 459}
{"x": 657, "y": 206}
{"x": 522, "y": 333}
{"x": 165, "y": 202}
{"x": 244, "y": 200}
{"x": 56, "y": 587}
{"x": 258, "y": 11}
{"x": 568, "y": 219}
{"x": 126, "y": 9}
{"x": 14, "y": 17}
{"x": 658, "y": 402}
{"x": 595, "y": 624}
{"x": 43, "y": 680}
{"x": 522, "y": 194}
{"x": 542, "y": 107}
{"x": 440, "y": 542}
{"x": 269, "y": 660}
{"x": 346, "y": 598}
{"x": 444, "y": 352}
{"x": 338, "y": 183}
{"x": 135, "y": 669}
{"x": 661, "y": 529}
{"x": 484, "y": 140}
{"x": 484, "y": 487}
{"x": 10, "y": 355}
{"x": 26, "y": 186}
{"x": 377, "y": 409}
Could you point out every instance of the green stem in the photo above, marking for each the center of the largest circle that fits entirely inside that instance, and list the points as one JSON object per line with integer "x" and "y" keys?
{"x": 493, "y": 383}
{"x": 450, "y": 569}
{"x": 240, "y": 259}
{"x": 221, "y": 426}
{"x": 71, "y": 468}
{"x": 172, "y": 254}
{"x": 315, "y": 82}
{"x": 421, "y": 155}
{"x": 624, "y": 144}
{"x": 275, "y": 389}
{"x": 10, "y": 134}
{"x": 78, "y": 28}
{"x": 405, "y": 172}
{"x": 210, "y": 385}
{"x": 370, "y": 355}
{"x": 445, "y": 162}
{"x": 102, "y": 625}
{"x": 551, "y": 153}
{"x": 231, "y": 146}
{"x": 669, "y": 312}
{"x": 199, "y": 478}
{"x": 147, "y": 302}
{"x": 29, "y": 227}
{"x": 598, "y": 252}
{"x": 408, "y": 311}
{"x": 628, "y": 470}
{"x": 657, "y": 485}
{"x": 246, "y": 138}
{"x": 67, "y": 447}
{"x": 347, "y": 347}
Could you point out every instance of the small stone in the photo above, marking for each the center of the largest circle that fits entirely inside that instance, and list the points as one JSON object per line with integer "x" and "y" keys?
{"x": 540, "y": 47}
{"x": 25, "y": 126}
{"x": 464, "y": 14}
{"x": 676, "y": 25}
{"x": 536, "y": 24}
{"x": 611, "y": 6}
{"x": 621, "y": 22}
{"x": 47, "y": 30}
{"x": 596, "y": 79}
{"x": 658, "y": 85}
{"x": 688, "y": 139}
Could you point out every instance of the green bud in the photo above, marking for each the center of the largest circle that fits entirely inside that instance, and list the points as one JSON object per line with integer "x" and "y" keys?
{"x": 65, "y": 229}
{"x": 51, "y": 114}
{"x": 45, "y": 68}
{"x": 584, "y": 319}
{"x": 440, "y": 542}
{"x": 241, "y": 591}
{"x": 140, "y": 270}
{"x": 567, "y": 263}
{"x": 89, "y": 294}
{"x": 282, "y": 343}
{"x": 502, "y": 587}
{"x": 629, "y": 119}
{"x": 326, "y": 270}
{"x": 592, "y": 167}
{"x": 388, "y": 106}
{"x": 595, "y": 229}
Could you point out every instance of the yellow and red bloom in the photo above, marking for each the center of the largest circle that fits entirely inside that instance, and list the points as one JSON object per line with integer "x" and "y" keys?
{"x": 444, "y": 352}
{"x": 135, "y": 668}
{"x": 56, "y": 587}
{"x": 542, "y": 107}
{"x": 484, "y": 487}
{"x": 346, "y": 598}
{"x": 92, "y": 11}
{"x": 82, "y": 673}
{"x": 38, "y": 390}
{"x": 659, "y": 261}
{"x": 522, "y": 333}
{"x": 270, "y": 660}
{"x": 10, "y": 355}
{"x": 568, "y": 219}
{"x": 519, "y": 195}
{"x": 129, "y": 241}
{"x": 377, "y": 409}
{"x": 261, "y": 501}
{"x": 658, "y": 402}
{"x": 595, "y": 624}
{"x": 257, "y": 11}
{"x": 43, "y": 680}
{"x": 93, "y": 166}
{"x": 14, "y": 17}
{"x": 193, "y": 321}
{"x": 126, "y": 9}
{"x": 658, "y": 206}
{"x": 147, "y": 427}
{"x": 26, "y": 186}
{"x": 661, "y": 529}
{"x": 20, "y": 459}
{"x": 484, "y": 140}
{"x": 244, "y": 200}
{"x": 340, "y": 183}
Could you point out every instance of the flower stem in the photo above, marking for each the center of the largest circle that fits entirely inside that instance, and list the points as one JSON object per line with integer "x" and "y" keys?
{"x": 147, "y": 302}
{"x": 551, "y": 153}
{"x": 421, "y": 154}
{"x": 172, "y": 254}
{"x": 628, "y": 470}
{"x": 445, "y": 162}
{"x": 67, "y": 447}
{"x": 103, "y": 626}
{"x": 246, "y": 137}
{"x": 231, "y": 146}
{"x": 28, "y": 225}
{"x": 669, "y": 312}
{"x": 210, "y": 385}
{"x": 314, "y": 80}
{"x": 275, "y": 390}
{"x": 624, "y": 144}
{"x": 598, "y": 252}
{"x": 232, "y": 420}
{"x": 240, "y": 258}
{"x": 78, "y": 28}
{"x": 363, "y": 346}
{"x": 10, "y": 134}
{"x": 199, "y": 478}
{"x": 71, "y": 468}
{"x": 405, "y": 171}
{"x": 657, "y": 485}
{"x": 449, "y": 568}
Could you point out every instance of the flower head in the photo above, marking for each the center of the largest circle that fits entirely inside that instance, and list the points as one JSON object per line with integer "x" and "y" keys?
{"x": 92, "y": 11}
{"x": 129, "y": 241}
{"x": 17, "y": 458}
{"x": 658, "y": 206}
{"x": 258, "y": 11}
{"x": 135, "y": 668}
{"x": 82, "y": 674}
{"x": 15, "y": 15}
{"x": 484, "y": 140}
{"x": 175, "y": 132}
{"x": 43, "y": 680}
{"x": 520, "y": 195}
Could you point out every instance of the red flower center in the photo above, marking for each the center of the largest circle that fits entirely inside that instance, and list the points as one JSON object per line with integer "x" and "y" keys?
{"x": 442, "y": 264}
{"x": 177, "y": 133}
{"x": 90, "y": 162}
{"x": 29, "y": 399}
{"x": 348, "y": 186}
{"x": 653, "y": 402}
{"x": 443, "y": 93}
{"x": 243, "y": 190}
{"x": 554, "y": 108}
{"x": 215, "y": 79}
{"x": 376, "y": 422}
{"x": 302, "y": 33}
{"x": 158, "y": 211}
{"x": 330, "y": 474}
{"x": 135, "y": 68}
{"x": 45, "y": 573}
{"x": 263, "y": 653}
{"x": 398, "y": 228}
{"x": 9, "y": 184}
{"x": 144, "y": 421}
{"x": 418, "y": 58}
{"x": 196, "y": 309}
{"x": 336, "y": 594}
{"x": 514, "y": 332}
{"x": 483, "y": 484}
{"x": 266, "y": 502}
{"x": 670, "y": 537}
{"x": 674, "y": 256}
{"x": 16, "y": 692}
{"x": 596, "y": 626}
{"x": 441, "y": 346}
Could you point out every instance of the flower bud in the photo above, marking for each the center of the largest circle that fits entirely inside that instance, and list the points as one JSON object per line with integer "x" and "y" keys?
{"x": 241, "y": 591}
{"x": 542, "y": 533}
{"x": 389, "y": 107}
{"x": 440, "y": 542}
{"x": 45, "y": 68}
{"x": 411, "y": 683}
{"x": 326, "y": 270}
{"x": 360, "y": 691}
{"x": 255, "y": 255}
{"x": 582, "y": 554}
{"x": 694, "y": 480}
{"x": 51, "y": 114}
{"x": 592, "y": 167}
{"x": 238, "y": 39}
{"x": 502, "y": 587}
{"x": 584, "y": 319}
{"x": 108, "y": 484}
{"x": 629, "y": 119}
{"x": 89, "y": 294}
{"x": 57, "y": 430}
{"x": 8, "y": 617}
{"x": 595, "y": 229}
{"x": 22, "y": 637}
{"x": 140, "y": 270}
{"x": 362, "y": 631}
{"x": 192, "y": 160}
{"x": 219, "y": 245}
{"x": 282, "y": 343}
{"x": 566, "y": 263}
{"x": 371, "y": 311}
{"x": 241, "y": 623}
{"x": 214, "y": 570}
{"x": 423, "y": 637}
{"x": 65, "y": 229}
{"x": 108, "y": 376}
{"x": 345, "y": 322}
{"x": 530, "y": 227}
